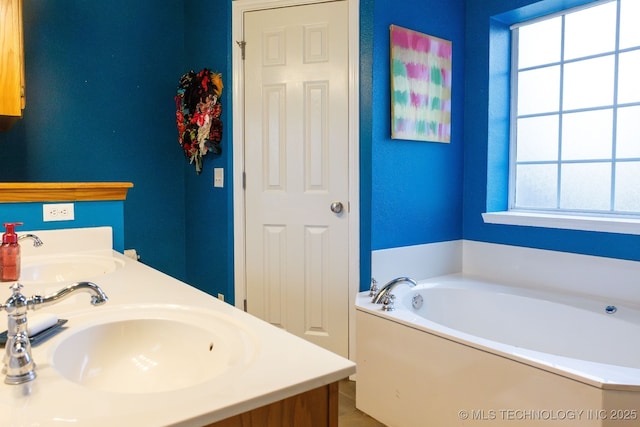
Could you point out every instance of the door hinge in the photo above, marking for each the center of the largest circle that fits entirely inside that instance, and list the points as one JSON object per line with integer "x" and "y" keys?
{"x": 242, "y": 44}
{"x": 244, "y": 180}
{"x": 244, "y": 304}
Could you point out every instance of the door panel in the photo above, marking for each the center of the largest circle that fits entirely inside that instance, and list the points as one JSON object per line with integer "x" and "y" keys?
{"x": 296, "y": 165}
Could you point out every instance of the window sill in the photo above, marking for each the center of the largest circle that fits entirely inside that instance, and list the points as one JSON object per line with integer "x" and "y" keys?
{"x": 568, "y": 222}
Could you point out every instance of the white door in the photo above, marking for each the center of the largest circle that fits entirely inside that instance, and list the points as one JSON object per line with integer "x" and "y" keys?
{"x": 297, "y": 170}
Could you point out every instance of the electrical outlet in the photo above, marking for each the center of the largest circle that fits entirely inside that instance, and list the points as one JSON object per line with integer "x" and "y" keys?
{"x": 58, "y": 212}
{"x": 218, "y": 177}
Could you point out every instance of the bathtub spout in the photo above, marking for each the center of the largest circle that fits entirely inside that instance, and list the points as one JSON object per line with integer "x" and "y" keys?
{"x": 386, "y": 289}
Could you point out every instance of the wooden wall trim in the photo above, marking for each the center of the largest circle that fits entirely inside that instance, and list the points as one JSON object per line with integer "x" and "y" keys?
{"x": 17, "y": 192}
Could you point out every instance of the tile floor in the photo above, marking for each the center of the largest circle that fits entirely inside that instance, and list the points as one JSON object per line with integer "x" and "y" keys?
{"x": 348, "y": 415}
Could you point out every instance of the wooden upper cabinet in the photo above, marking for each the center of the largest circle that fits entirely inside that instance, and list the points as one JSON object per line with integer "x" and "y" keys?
{"x": 12, "y": 97}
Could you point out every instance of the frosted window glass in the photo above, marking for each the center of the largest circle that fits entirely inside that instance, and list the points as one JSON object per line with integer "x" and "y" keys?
{"x": 577, "y": 111}
{"x": 586, "y": 186}
{"x": 537, "y": 138}
{"x": 537, "y": 186}
{"x": 539, "y": 90}
{"x": 539, "y": 43}
{"x": 587, "y": 135}
{"x": 629, "y": 77}
{"x": 627, "y": 188}
{"x": 581, "y": 37}
{"x": 588, "y": 83}
{"x": 629, "y": 28}
{"x": 628, "y": 138}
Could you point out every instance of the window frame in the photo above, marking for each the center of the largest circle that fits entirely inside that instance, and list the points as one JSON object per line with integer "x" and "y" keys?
{"x": 606, "y": 221}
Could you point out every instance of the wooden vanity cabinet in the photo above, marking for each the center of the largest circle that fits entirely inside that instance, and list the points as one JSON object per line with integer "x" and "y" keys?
{"x": 12, "y": 92}
{"x": 314, "y": 408}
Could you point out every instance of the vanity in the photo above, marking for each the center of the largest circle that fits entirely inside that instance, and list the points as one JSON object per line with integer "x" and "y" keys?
{"x": 159, "y": 352}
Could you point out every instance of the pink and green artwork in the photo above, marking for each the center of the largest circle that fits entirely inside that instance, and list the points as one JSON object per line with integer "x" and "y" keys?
{"x": 420, "y": 86}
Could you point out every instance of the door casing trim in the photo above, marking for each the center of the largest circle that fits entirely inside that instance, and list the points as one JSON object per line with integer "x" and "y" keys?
{"x": 239, "y": 8}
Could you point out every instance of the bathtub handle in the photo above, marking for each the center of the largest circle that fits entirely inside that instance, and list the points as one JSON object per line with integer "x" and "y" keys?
{"x": 388, "y": 302}
{"x": 373, "y": 289}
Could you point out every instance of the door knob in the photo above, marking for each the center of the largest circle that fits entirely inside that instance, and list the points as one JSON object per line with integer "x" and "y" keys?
{"x": 336, "y": 207}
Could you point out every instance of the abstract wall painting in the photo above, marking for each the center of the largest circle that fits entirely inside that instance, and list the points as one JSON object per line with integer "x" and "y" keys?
{"x": 420, "y": 86}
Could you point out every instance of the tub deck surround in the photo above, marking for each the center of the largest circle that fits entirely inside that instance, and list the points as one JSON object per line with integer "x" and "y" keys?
{"x": 283, "y": 365}
{"x": 605, "y": 279}
{"x": 418, "y": 261}
{"x": 486, "y": 353}
{"x": 609, "y": 280}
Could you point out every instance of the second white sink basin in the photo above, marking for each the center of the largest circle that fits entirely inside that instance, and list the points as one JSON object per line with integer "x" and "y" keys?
{"x": 151, "y": 349}
{"x": 66, "y": 268}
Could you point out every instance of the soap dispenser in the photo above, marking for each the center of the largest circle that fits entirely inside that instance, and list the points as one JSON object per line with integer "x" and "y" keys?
{"x": 10, "y": 254}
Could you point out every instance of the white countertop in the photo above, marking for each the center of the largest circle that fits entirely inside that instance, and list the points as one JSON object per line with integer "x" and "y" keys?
{"x": 284, "y": 365}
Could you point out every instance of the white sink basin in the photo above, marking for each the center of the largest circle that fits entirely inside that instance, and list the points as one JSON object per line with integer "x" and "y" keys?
{"x": 66, "y": 268}
{"x": 151, "y": 349}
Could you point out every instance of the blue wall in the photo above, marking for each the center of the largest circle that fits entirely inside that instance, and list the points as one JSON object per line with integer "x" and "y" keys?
{"x": 209, "y": 210}
{"x": 367, "y": 9}
{"x": 100, "y": 88}
{"x": 86, "y": 214}
{"x": 100, "y": 83}
{"x": 416, "y": 186}
{"x": 486, "y": 132}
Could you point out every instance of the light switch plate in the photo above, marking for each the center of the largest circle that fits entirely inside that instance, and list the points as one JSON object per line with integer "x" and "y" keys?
{"x": 218, "y": 177}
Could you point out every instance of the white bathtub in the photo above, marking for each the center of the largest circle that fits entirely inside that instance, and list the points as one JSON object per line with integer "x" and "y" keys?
{"x": 477, "y": 353}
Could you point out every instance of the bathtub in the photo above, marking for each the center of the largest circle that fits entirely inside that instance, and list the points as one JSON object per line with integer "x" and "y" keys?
{"x": 464, "y": 352}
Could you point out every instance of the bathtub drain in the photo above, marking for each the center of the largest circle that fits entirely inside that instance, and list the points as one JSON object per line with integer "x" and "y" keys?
{"x": 417, "y": 301}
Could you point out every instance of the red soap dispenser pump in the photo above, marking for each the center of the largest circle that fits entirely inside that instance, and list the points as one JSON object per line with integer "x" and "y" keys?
{"x": 10, "y": 253}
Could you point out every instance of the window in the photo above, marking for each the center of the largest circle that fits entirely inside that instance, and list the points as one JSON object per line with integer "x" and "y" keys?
{"x": 575, "y": 111}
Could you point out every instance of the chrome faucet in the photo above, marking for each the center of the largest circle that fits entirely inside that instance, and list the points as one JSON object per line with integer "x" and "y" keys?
{"x": 373, "y": 289}
{"x": 19, "y": 366}
{"x": 386, "y": 289}
{"x": 36, "y": 240}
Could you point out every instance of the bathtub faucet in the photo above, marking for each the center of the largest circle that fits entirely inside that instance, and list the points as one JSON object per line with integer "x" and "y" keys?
{"x": 18, "y": 363}
{"x": 386, "y": 289}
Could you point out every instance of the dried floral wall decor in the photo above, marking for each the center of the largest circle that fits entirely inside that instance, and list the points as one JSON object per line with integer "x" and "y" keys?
{"x": 198, "y": 111}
